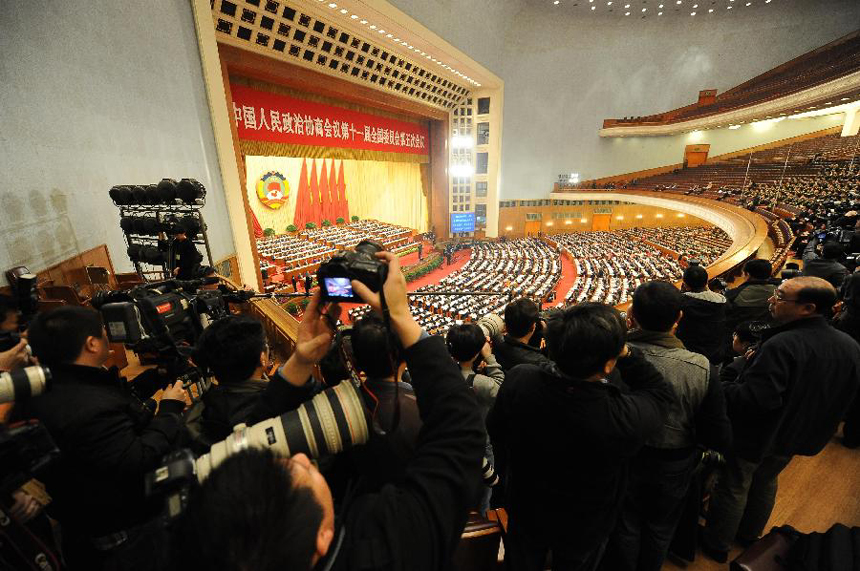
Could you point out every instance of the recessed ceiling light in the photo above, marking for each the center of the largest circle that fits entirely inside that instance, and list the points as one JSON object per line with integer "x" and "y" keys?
{"x": 332, "y": 5}
{"x": 609, "y": 3}
{"x": 844, "y": 99}
{"x": 659, "y": 13}
{"x": 627, "y": 5}
{"x": 594, "y": 7}
{"x": 692, "y": 13}
{"x": 354, "y": 17}
{"x": 343, "y": 10}
{"x": 363, "y": 22}
{"x": 695, "y": 5}
{"x": 678, "y": 2}
{"x": 749, "y": 3}
{"x": 626, "y": 13}
{"x": 556, "y": 2}
{"x": 387, "y": 35}
{"x": 728, "y": 7}
{"x": 660, "y": 6}
{"x": 373, "y": 26}
{"x": 381, "y": 31}
{"x": 710, "y": 10}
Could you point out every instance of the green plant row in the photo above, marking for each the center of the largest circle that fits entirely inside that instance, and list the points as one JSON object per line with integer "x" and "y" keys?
{"x": 424, "y": 267}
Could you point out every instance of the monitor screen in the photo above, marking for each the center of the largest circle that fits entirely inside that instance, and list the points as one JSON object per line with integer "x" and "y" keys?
{"x": 462, "y": 222}
{"x": 338, "y": 287}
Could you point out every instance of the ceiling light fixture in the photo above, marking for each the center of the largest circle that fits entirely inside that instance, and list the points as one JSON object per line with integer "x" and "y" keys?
{"x": 594, "y": 7}
{"x": 659, "y": 13}
{"x": 626, "y": 13}
{"x": 363, "y": 22}
{"x": 373, "y": 26}
{"x": 343, "y": 10}
{"x": 692, "y": 13}
{"x": 332, "y": 5}
{"x": 354, "y": 17}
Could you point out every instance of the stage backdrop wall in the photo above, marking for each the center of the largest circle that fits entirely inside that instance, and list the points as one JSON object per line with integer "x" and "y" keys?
{"x": 391, "y": 192}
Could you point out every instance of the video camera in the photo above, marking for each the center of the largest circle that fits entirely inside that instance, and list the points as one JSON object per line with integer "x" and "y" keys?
{"x": 166, "y": 319}
{"x": 26, "y": 449}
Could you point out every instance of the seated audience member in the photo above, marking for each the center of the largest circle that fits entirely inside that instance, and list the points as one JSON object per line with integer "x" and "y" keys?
{"x": 512, "y": 349}
{"x": 569, "y": 435}
{"x": 702, "y": 326}
{"x": 9, "y": 314}
{"x": 661, "y": 473}
{"x": 745, "y": 335}
{"x": 281, "y": 513}
{"x": 788, "y": 400}
{"x": 468, "y": 345}
{"x": 749, "y": 301}
{"x": 235, "y": 350}
{"x": 108, "y": 439}
{"x": 827, "y": 265}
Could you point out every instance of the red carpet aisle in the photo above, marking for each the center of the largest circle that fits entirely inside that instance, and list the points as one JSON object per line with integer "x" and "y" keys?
{"x": 568, "y": 275}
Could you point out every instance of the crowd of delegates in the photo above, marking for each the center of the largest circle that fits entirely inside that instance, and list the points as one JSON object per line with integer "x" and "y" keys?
{"x": 691, "y": 243}
{"x": 834, "y": 181}
{"x": 288, "y": 252}
{"x": 609, "y": 266}
{"x": 595, "y": 423}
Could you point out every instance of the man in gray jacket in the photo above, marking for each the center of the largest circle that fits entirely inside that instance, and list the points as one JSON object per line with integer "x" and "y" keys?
{"x": 661, "y": 472}
{"x": 468, "y": 345}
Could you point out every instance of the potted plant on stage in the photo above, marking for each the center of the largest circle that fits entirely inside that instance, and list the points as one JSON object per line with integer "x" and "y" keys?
{"x": 292, "y": 229}
{"x": 326, "y": 223}
{"x": 311, "y": 226}
{"x": 269, "y": 232}
{"x": 340, "y": 220}
{"x": 354, "y": 218}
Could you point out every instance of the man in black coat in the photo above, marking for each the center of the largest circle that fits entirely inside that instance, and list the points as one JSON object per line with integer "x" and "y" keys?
{"x": 522, "y": 317}
{"x": 282, "y": 509}
{"x": 569, "y": 435}
{"x": 108, "y": 441}
{"x": 702, "y": 328}
{"x": 788, "y": 400}
{"x": 187, "y": 257}
{"x": 825, "y": 266}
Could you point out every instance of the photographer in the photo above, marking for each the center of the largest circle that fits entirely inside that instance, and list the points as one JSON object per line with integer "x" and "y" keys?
{"x": 108, "y": 441}
{"x": 748, "y": 301}
{"x": 184, "y": 252}
{"x": 569, "y": 435}
{"x": 281, "y": 513}
{"x": 522, "y": 318}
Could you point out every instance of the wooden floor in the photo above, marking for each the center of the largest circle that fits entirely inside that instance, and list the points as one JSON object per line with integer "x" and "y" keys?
{"x": 814, "y": 493}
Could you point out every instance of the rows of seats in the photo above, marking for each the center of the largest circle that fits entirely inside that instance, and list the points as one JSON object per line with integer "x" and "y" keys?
{"x": 689, "y": 242}
{"x": 610, "y": 265}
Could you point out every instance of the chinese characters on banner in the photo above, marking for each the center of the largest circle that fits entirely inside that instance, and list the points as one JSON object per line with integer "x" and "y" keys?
{"x": 264, "y": 116}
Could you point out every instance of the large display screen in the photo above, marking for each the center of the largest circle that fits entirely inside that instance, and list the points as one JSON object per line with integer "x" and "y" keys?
{"x": 462, "y": 222}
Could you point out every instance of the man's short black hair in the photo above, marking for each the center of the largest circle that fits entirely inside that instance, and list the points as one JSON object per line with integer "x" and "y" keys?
{"x": 247, "y": 515}
{"x": 696, "y": 277}
{"x": 584, "y": 338}
{"x": 823, "y": 295}
{"x": 520, "y": 315}
{"x": 58, "y": 336}
{"x": 656, "y": 306}
{"x": 7, "y": 305}
{"x": 374, "y": 348}
{"x": 758, "y": 269}
{"x": 832, "y": 251}
{"x": 465, "y": 341}
{"x": 231, "y": 348}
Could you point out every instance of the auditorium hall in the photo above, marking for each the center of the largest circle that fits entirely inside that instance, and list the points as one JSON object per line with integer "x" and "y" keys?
{"x": 461, "y": 285}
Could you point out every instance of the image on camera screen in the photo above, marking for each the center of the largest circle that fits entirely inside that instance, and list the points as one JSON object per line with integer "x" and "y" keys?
{"x": 338, "y": 287}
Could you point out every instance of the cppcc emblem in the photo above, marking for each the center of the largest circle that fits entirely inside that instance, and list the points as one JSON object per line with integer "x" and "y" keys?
{"x": 273, "y": 190}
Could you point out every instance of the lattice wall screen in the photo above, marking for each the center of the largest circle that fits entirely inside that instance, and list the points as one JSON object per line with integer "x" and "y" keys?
{"x": 289, "y": 32}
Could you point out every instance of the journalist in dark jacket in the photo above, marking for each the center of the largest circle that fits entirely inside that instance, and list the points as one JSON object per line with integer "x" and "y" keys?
{"x": 108, "y": 440}
{"x": 749, "y": 301}
{"x": 522, "y": 319}
{"x": 788, "y": 400}
{"x": 703, "y": 327}
{"x": 282, "y": 513}
{"x": 825, "y": 266}
{"x": 569, "y": 435}
{"x": 662, "y": 471}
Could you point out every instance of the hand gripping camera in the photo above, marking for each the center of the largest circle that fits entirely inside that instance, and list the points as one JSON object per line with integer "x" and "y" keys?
{"x": 335, "y": 275}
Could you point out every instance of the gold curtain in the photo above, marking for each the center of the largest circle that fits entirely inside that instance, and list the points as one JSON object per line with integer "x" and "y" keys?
{"x": 386, "y": 191}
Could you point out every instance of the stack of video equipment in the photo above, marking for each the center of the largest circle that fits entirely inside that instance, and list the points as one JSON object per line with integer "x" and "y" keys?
{"x": 150, "y": 217}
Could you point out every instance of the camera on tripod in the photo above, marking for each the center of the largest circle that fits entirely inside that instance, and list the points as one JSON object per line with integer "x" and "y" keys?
{"x": 335, "y": 275}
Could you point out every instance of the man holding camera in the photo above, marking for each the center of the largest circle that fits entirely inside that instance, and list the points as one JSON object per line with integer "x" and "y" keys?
{"x": 281, "y": 510}
{"x": 522, "y": 320}
{"x": 569, "y": 434}
{"x": 108, "y": 441}
{"x": 187, "y": 258}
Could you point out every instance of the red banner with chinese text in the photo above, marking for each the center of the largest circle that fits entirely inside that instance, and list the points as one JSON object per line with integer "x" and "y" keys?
{"x": 264, "y": 116}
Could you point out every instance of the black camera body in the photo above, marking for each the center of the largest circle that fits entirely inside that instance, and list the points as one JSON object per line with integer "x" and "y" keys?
{"x": 334, "y": 276}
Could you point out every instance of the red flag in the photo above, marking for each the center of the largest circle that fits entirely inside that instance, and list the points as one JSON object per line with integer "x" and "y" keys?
{"x": 332, "y": 189}
{"x": 325, "y": 200}
{"x": 258, "y": 230}
{"x": 341, "y": 190}
{"x": 301, "y": 214}
{"x": 315, "y": 210}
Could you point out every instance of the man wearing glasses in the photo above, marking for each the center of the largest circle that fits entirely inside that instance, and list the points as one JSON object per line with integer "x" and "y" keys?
{"x": 788, "y": 400}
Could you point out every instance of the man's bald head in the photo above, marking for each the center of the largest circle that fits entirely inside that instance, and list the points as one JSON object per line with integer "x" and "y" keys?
{"x": 812, "y": 290}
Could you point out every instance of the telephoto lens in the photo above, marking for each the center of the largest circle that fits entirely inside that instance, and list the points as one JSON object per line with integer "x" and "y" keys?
{"x": 491, "y": 324}
{"x": 332, "y": 421}
{"x": 23, "y": 383}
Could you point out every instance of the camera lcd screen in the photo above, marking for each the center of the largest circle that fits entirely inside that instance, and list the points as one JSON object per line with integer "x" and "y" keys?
{"x": 338, "y": 287}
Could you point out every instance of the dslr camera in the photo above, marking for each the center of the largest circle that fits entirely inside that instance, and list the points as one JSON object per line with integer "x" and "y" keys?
{"x": 335, "y": 275}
